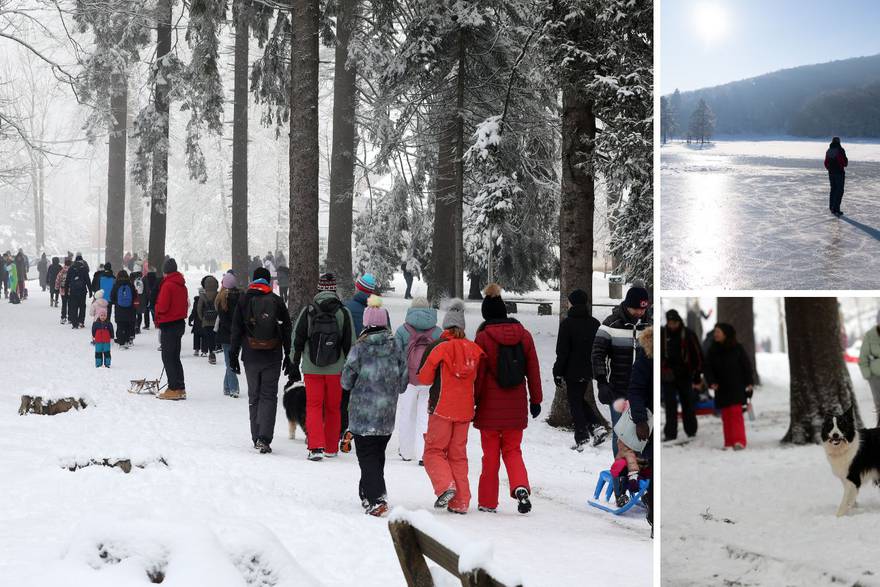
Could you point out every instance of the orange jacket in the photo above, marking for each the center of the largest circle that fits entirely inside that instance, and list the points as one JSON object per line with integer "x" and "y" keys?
{"x": 450, "y": 368}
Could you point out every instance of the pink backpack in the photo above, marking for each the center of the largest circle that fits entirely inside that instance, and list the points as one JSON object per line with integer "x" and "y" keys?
{"x": 419, "y": 341}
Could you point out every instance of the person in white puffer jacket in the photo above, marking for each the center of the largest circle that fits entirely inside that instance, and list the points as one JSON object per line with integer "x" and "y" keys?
{"x": 869, "y": 363}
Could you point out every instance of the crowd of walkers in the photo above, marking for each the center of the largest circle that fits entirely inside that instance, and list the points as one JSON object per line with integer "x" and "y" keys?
{"x": 363, "y": 379}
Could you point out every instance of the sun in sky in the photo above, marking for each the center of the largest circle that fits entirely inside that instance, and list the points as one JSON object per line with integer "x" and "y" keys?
{"x": 711, "y": 21}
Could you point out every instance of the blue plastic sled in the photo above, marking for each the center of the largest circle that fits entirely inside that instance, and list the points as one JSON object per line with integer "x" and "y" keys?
{"x": 606, "y": 482}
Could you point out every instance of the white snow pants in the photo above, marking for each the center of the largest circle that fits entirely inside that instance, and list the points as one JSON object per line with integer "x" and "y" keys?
{"x": 412, "y": 420}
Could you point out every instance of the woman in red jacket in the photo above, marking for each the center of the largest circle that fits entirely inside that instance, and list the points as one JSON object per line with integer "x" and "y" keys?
{"x": 503, "y": 404}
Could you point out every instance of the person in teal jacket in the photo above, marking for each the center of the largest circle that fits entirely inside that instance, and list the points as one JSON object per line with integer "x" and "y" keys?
{"x": 322, "y": 338}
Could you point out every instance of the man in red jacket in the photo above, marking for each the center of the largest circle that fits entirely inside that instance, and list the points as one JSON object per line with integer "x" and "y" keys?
{"x": 503, "y": 405}
{"x": 172, "y": 307}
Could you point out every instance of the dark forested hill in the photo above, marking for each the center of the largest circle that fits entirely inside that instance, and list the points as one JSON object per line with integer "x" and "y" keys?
{"x": 839, "y": 97}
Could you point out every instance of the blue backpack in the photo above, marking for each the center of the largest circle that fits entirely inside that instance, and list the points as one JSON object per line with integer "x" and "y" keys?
{"x": 106, "y": 282}
{"x": 124, "y": 296}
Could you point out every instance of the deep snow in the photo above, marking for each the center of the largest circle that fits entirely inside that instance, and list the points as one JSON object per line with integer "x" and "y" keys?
{"x": 235, "y": 517}
{"x": 764, "y": 516}
{"x": 754, "y": 215}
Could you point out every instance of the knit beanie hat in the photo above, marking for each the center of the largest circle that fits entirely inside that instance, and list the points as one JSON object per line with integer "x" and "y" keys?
{"x": 169, "y": 266}
{"x": 637, "y": 297}
{"x": 101, "y": 313}
{"x": 374, "y": 313}
{"x": 229, "y": 281}
{"x": 578, "y": 298}
{"x": 454, "y": 314}
{"x": 493, "y": 306}
{"x": 420, "y": 303}
{"x": 327, "y": 282}
{"x": 366, "y": 283}
{"x": 262, "y": 273}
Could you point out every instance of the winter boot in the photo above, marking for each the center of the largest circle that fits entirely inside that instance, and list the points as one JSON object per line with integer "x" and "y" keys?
{"x": 316, "y": 455}
{"x": 195, "y": 353}
{"x": 579, "y": 445}
{"x": 378, "y": 509}
{"x": 620, "y": 487}
{"x": 173, "y": 394}
{"x": 600, "y": 433}
{"x": 262, "y": 446}
{"x": 212, "y": 358}
{"x": 522, "y": 496}
{"x": 452, "y": 510}
{"x": 483, "y": 508}
{"x": 444, "y": 498}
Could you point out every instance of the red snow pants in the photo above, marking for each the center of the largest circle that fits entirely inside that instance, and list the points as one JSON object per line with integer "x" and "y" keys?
{"x": 323, "y": 411}
{"x": 734, "y": 426}
{"x": 446, "y": 459}
{"x": 497, "y": 445}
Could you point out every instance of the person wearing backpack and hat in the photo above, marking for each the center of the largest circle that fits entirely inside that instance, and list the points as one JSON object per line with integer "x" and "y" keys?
{"x": 503, "y": 400}
{"x": 365, "y": 286}
{"x": 418, "y": 332}
{"x": 322, "y": 339}
{"x": 614, "y": 349}
{"x": 450, "y": 367}
{"x": 137, "y": 281}
{"x": 375, "y": 373}
{"x": 61, "y": 287}
{"x": 104, "y": 278}
{"x": 78, "y": 286}
{"x": 207, "y": 315}
{"x": 261, "y": 331}
{"x": 172, "y": 306}
{"x": 124, "y": 297}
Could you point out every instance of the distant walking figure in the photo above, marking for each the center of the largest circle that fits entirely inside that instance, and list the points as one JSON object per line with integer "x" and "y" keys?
{"x": 835, "y": 162}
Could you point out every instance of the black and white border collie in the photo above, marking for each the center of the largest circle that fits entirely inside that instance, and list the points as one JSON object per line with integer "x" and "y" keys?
{"x": 854, "y": 455}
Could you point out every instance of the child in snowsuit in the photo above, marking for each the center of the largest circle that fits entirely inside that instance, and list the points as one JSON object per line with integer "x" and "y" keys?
{"x": 626, "y": 467}
{"x": 375, "y": 373}
{"x": 196, "y": 326}
{"x": 450, "y": 368}
{"x": 102, "y": 336}
{"x": 504, "y": 400}
{"x": 99, "y": 304}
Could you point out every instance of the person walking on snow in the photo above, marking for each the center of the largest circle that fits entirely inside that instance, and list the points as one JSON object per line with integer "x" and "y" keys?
{"x": 681, "y": 371}
{"x": 102, "y": 336}
{"x": 104, "y": 278}
{"x": 322, "y": 339}
{"x": 503, "y": 402}
{"x": 61, "y": 288}
{"x": 227, "y": 302}
{"x": 206, "y": 310}
{"x": 261, "y": 331}
{"x": 78, "y": 286}
{"x": 614, "y": 349}
{"x": 729, "y": 375}
{"x": 375, "y": 374}
{"x": 869, "y": 363}
{"x": 124, "y": 298}
{"x": 450, "y": 368}
{"x": 51, "y": 279}
{"x": 172, "y": 305}
{"x": 835, "y": 163}
{"x": 42, "y": 271}
{"x": 21, "y": 266}
{"x": 418, "y": 332}
{"x": 573, "y": 369}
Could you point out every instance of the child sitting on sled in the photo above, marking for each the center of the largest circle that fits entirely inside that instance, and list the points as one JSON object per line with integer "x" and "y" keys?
{"x": 628, "y": 469}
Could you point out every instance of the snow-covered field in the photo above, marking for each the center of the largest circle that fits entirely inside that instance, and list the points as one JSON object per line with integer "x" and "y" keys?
{"x": 220, "y": 514}
{"x": 754, "y": 215}
{"x": 764, "y": 516}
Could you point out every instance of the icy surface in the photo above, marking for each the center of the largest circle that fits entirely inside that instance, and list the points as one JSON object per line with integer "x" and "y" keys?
{"x": 218, "y": 504}
{"x": 764, "y": 516}
{"x": 754, "y": 215}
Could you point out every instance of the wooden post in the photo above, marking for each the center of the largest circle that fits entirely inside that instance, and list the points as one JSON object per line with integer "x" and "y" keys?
{"x": 409, "y": 553}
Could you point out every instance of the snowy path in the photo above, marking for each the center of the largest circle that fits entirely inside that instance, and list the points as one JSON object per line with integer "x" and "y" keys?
{"x": 780, "y": 503}
{"x": 736, "y": 221}
{"x": 217, "y": 495}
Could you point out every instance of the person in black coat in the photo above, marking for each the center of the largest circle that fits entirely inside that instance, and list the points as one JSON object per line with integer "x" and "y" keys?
{"x": 78, "y": 286}
{"x": 729, "y": 375}
{"x": 836, "y": 162}
{"x": 574, "y": 344}
{"x": 124, "y": 308}
{"x": 227, "y": 301}
{"x": 51, "y": 275}
{"x": 681, "y": 368}
{"x": 151, "y": 294}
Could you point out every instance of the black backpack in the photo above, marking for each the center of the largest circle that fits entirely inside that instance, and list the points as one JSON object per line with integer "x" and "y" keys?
{"x": 261, "y": 323}
{"x": 325, "y": 338}
{"x": 209, "y": 311}
{"x": 511, "y": 365}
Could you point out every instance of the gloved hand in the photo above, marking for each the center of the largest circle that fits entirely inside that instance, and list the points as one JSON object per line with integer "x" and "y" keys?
{"x": 234, "y": 365}
{"x": 535, "y": 409}
{"x": 642, "y": 431}
{"x": 558, "y": 381}
{"x": 606, "y": 393}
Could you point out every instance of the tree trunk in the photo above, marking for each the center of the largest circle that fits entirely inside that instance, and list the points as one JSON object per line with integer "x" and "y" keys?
{"x": 303, "y": 254}
{"x": 458, "y": 264}
{"x": 35, "y": 192}
{"x": 576, "y": 208}
{"x": 159, "y": 187}
{"x": 739, "y": 313}
{"x": 116, "y": 172}
{"x": 820, "y": 382}
{"x": 475, "y": 292}
{"x": 442, "y": 270}
{"x": 41, "y": 178}
{"x": 343, "y": 155}
{"x": 239, "y": 245}
{"x": 135, "y": 203}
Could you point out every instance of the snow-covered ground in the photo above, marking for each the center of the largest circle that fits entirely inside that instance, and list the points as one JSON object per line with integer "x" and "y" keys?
{"x": 764, "y": 516}
{"x": 754, "y": 215}
{"x": 220, "y": 514}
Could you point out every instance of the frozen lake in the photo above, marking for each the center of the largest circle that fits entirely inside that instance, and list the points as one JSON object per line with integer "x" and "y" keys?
{"x": 754, "y": 215}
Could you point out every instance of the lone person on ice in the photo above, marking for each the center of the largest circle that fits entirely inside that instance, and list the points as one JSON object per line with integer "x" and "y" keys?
{"x": 835, "y": 162}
